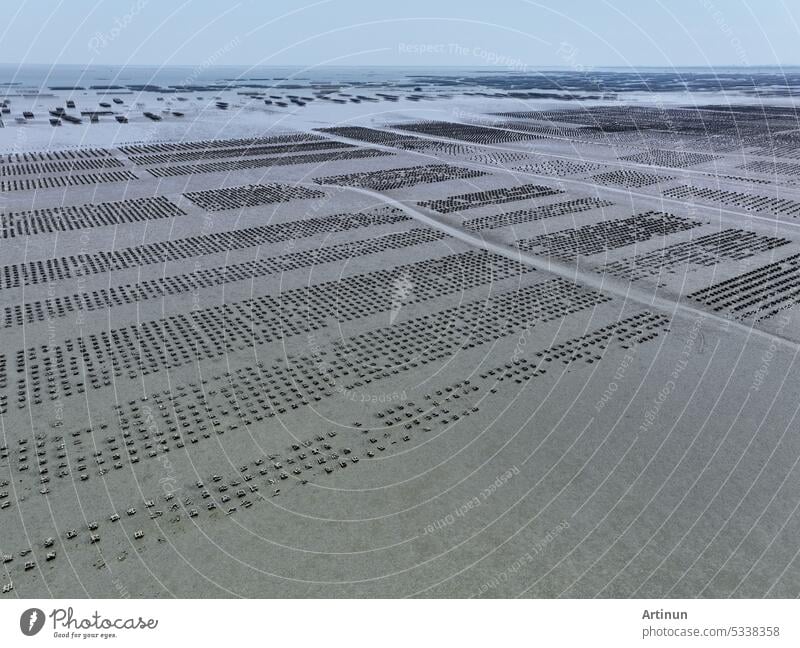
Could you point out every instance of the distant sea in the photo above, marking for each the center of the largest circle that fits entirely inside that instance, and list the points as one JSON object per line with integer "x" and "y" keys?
{"x": 43, "y": 77}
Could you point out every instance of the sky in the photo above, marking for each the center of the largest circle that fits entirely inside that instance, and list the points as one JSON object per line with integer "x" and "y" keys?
{"x": 507, "y": 34}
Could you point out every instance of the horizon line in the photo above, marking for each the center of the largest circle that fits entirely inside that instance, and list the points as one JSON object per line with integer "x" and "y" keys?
{"x": 428, "y": 66}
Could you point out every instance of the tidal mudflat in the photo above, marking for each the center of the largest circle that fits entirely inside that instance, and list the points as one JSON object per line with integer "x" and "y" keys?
{"x": 421, "y": 337}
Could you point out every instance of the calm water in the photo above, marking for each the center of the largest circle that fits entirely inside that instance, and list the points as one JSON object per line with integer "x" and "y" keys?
{"x": 617, "y": 79}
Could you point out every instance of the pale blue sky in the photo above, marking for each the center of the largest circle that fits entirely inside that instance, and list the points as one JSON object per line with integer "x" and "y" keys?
{"x": 505, "y": 33}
